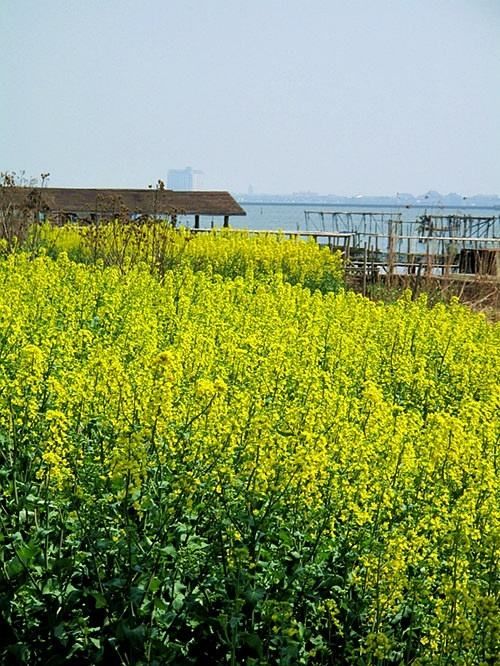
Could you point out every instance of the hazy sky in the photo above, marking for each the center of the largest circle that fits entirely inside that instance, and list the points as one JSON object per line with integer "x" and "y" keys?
{"x": 332, "y": 96}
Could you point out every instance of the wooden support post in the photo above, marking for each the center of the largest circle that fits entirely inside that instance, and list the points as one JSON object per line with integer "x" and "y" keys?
{"x": 196, "y": 221}
{"x": 226, "y": 220}
{"x": 348, "y": 248}
{"x": 390, "y": 251}
{"x": 446, "y": 254}
{"x": 365, "y": 267}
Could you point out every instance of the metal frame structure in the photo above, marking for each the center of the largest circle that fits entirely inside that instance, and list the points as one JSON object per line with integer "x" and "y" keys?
{"x": 437, "y": 244}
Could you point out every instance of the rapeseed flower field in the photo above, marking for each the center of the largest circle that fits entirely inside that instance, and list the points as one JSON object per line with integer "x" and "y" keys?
{"x": 211, "y": 453}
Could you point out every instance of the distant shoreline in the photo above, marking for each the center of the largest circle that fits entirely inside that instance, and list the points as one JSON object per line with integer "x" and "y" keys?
{"x": 367, "y": 205}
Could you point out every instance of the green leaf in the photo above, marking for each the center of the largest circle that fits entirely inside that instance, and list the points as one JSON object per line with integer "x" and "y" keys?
{"x": 100, "y": 600}
{"x": 154, "y": 584}
{"x": 135, "y": 635}
{"x": 14, "y": 568}
{"x": 159, "y": 604}
{"x": 253, "y": 642}
{"x": 178, "y": 601}
{"x": 169, "y": 550}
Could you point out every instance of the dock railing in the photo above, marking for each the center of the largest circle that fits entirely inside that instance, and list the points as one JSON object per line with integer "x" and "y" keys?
{"x": 433, "y": 244}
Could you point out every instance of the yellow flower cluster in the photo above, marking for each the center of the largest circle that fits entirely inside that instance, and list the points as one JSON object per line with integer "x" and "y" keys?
{"x": 377, "y": 422}
{"x": 223, "y": 252}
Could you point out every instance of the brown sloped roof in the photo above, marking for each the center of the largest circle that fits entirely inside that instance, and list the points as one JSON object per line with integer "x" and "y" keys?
{"x": 144, "y": 202}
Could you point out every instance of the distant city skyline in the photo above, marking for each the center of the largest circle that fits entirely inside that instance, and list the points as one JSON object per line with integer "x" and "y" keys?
{"x": 189, "y": 179}
{"x": 186, "y": 179}
{"x": 400, "y": 200}
{"x": 367, "y": 97}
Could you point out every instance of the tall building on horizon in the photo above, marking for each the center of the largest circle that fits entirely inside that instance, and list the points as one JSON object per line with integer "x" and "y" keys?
{"x": 184, "y": 180}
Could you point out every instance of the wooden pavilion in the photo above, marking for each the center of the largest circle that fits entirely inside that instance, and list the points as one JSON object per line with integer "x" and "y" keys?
{"x": 61, "y": 204}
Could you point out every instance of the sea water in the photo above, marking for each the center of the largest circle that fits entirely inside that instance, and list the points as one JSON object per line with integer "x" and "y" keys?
{"x": 294, "y": 217}
{"x": 303, "y": 216}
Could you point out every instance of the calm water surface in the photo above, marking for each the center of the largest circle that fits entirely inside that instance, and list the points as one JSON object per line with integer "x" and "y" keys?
{"x": 292, "y": 216}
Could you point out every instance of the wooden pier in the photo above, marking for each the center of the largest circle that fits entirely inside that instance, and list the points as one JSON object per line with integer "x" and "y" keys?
{"x": 440, "y": 244}
{"x": 333, "y": 239}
